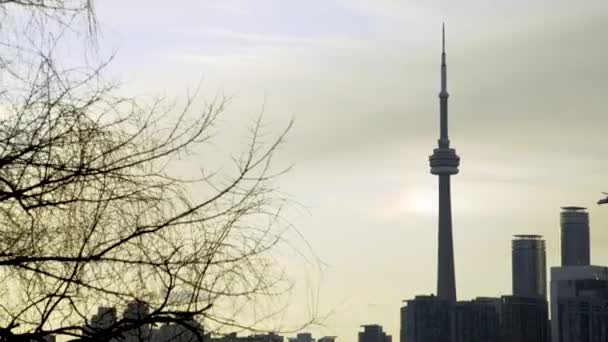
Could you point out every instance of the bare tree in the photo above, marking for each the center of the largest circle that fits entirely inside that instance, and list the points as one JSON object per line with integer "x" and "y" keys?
{"x": 91, "y": 212}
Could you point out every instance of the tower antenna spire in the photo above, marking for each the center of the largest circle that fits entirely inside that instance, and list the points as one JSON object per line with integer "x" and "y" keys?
{"x": 443, "y": 95}
{"x": 443, "y": 38}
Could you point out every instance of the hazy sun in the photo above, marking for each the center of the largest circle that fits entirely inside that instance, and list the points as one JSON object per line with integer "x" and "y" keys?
{"x": 419, "y": 201}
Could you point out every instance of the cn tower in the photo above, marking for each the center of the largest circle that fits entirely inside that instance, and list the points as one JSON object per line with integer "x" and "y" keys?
{"x": 444, "y": 163}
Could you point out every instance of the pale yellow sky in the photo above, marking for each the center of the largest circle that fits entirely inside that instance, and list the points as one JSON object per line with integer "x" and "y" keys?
{"x": 527, "y": 84}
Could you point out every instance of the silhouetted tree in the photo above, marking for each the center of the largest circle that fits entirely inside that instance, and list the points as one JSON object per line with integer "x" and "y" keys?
{"x": 92, "y": 211}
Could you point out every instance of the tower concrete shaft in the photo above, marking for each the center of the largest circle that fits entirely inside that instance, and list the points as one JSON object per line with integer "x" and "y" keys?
{"x": 444, "y": 162}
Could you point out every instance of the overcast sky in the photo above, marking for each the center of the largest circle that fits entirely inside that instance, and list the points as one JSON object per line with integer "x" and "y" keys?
{"x": 361, "y": 77}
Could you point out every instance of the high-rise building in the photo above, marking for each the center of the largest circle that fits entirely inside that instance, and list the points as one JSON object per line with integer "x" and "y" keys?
{"x": 187, "y": 330}
{"x": 426, "y": 319}
{"x": 579, "y": 304}
{"x": 575, "y": 236}
{"x": 327, "y": 339}
{"x": 134, "y": 313}
{"x": 269, "y": 337}
{"x": 477, "y": 320}
{"x": 524, "y": 319}
{"x": 103, "y": 319}
{"x": 302, "y": 337}
{"x": 136, "y": 310}
{"x": 529, "y": 270}
{"x": 131, "y": 329}
{"x": 583, "y": 319}
{"x": 373, "y": 333}
{"x": 233, "y": 337}
{"x": 173, "y": 333}
{"x": 579, "y": 291}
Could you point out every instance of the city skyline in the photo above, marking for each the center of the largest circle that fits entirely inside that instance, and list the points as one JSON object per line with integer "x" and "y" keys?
{"x": 368, "y": 95}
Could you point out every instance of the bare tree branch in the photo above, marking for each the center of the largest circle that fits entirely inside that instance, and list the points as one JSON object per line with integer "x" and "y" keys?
{"x": 92, "y": 211}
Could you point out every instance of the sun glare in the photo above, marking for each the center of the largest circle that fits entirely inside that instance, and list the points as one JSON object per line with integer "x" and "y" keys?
{"x": 420, "y": 201}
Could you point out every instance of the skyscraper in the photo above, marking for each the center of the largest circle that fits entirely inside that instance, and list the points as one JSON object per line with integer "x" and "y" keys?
{"x": 524, "y": 315}
{"x": 575, "y": 236}
{"x": 233, "y": 337}
{"x": 426, "y": 319}
{"x": 136, "y": 311}
{"x": 444, "y": 163}
{"x": 477, "y": 320}
{"x": 524, "y": 319}
{"x": 105, "y": 317}
{"x": 579, "y": 291}
{"x": 579, "y": 303}
{"x": 529, "y": 266}
{"x": 302, "y": 337}
{"x": 373, "y": 333}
